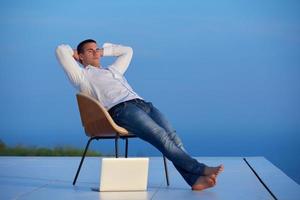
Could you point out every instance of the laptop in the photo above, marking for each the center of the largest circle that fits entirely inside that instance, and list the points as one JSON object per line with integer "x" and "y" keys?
{"x": 124, "y": 174}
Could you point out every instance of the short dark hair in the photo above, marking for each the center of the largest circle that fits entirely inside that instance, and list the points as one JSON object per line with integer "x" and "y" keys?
{"x": 81, "y": 45}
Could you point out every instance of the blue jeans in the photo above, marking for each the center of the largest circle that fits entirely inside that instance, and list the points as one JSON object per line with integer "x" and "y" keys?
{"x": 145, "y": 121}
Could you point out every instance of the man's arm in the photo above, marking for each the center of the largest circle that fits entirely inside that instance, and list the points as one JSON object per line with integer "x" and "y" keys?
{"x": 123, "y": 53}
{"x": 66, "y": 57}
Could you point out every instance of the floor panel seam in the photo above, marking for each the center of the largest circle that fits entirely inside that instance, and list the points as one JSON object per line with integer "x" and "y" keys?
{"x": 32, "y": 191}
{"x": 157, "y": 191}
{"x": 260, "y": 180}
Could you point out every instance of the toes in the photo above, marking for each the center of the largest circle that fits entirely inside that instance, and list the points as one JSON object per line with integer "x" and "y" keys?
{"x": 211, "y": 181}
{"x": 213, "y": 170}
{"x": 222, "y": 167}
{"x": 213, "y": 178}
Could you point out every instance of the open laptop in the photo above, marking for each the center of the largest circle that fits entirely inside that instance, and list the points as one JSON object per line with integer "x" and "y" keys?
{"x": 124, "y": 174}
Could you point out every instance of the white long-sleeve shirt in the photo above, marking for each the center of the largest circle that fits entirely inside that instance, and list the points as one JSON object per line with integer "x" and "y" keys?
{"x": 107, "y": 85}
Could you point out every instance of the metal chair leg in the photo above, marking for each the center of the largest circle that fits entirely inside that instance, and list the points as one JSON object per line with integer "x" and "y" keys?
{"x": 166, "y": 171}
{"x": 126, "y": 147}
{"x": 116, "y": 147}
{"x": 82, "y": 158}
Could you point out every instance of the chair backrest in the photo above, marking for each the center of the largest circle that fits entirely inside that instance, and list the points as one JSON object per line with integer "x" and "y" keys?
{"x": 95, "y": 118}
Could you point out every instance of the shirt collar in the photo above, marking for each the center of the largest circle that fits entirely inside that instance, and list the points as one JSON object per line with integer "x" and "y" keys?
{"x": 93, "y": 67}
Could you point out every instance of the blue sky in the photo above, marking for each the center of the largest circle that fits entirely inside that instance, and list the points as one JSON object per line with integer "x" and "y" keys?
{"x": 225, "y": 73}
{"x": 226, "y": 69}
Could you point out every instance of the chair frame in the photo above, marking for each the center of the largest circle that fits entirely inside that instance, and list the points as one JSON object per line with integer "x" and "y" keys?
{"x": 119, "y": 133}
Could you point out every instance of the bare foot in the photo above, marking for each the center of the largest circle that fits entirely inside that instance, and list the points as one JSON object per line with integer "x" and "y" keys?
{"x": 213, "y": 170}
{"x": 204, "y": 182}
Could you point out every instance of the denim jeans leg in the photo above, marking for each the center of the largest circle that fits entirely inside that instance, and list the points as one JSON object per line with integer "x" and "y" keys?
{"x": 161, "y": 120}
{"x": 138, "y": 122}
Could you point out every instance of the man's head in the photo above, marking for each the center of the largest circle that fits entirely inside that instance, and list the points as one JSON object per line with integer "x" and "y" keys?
{"x": 89, "y": 53}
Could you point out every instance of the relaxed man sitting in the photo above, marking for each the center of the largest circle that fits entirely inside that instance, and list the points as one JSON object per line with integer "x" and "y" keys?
{"x": 127, "y": 108}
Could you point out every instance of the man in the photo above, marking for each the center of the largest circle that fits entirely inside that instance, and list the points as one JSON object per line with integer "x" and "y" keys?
{"x": 127, "y": 108}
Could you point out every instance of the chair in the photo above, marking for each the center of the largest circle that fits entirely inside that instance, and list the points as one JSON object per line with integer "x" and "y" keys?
{"x": 98, "y": 124}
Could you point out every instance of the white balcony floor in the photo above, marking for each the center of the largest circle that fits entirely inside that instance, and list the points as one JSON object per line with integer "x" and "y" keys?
{"x": 51, "y": 178}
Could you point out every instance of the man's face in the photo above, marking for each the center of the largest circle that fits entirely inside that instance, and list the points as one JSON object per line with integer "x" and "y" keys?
{"x": 91, "y": 54}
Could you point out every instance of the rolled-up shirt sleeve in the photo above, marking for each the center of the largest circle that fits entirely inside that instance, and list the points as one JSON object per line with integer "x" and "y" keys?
{"x": 123, "y": 53}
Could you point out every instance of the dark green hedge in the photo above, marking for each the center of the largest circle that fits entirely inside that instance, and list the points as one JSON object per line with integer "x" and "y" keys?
{"x": 21, "y": 150}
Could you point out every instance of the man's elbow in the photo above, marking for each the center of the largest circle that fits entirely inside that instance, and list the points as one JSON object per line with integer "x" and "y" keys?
{"x": 58, "y": 50}
{"x": 129, "y": 50}
{"x": 63, "y": 49}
